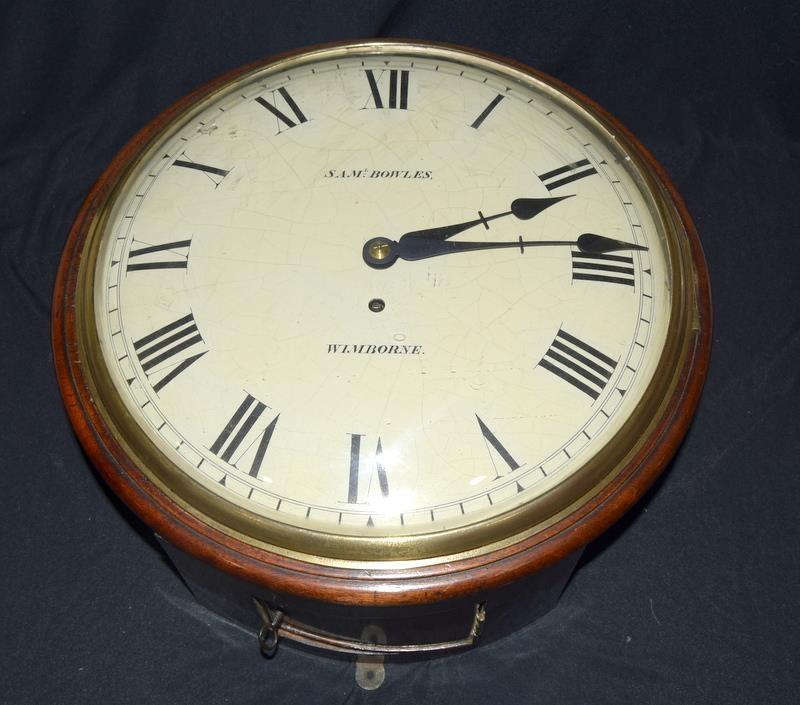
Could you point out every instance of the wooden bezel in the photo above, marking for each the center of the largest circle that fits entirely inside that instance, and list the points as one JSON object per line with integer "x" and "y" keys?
{"x": 377, "y": 586}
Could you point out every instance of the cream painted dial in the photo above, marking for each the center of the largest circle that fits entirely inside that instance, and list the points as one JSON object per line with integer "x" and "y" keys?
{"x": 274, "y": 336}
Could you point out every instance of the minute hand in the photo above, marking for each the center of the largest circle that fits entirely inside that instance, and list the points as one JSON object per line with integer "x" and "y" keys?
{"x": 416, "y": 248}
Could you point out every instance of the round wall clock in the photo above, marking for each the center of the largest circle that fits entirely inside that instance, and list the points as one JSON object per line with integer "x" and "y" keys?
{"x": 377, "y": 336}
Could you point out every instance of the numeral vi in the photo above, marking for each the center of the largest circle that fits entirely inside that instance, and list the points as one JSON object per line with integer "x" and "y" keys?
{"x": 377, "y": 470}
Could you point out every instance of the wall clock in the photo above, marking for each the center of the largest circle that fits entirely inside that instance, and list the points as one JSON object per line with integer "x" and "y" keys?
{"x": 377, "y": 336}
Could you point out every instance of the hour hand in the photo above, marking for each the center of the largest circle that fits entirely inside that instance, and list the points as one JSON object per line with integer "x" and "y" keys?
{"x": 522, "y": 208}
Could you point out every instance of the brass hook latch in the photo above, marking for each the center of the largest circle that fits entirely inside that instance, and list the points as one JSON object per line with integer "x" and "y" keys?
{"x": 269, "y": 633}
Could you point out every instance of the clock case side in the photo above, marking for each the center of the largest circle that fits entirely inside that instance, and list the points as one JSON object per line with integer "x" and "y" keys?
{"x": 353, "y": 586}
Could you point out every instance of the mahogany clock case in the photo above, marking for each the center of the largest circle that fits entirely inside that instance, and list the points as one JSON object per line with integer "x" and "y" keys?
{"x": 647, "y": 441}
{"x": 692, "y": 587}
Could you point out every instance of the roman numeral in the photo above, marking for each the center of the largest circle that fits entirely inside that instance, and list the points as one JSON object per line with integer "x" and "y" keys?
{"x": 488, "y": 109}
{"x": 355, "y": 469}
{"x": 212, "y": 172}
{"x": 612, "y": 269}
{"x": 396, "y": 98}
{"x": 164, "y": 350}
{"x": 244, "y": 438}
{"x": 491, "y": 440}
{"x": 170, "y": 255}
{"x": 281, "y": 116}
{"x": 567, "y": 174}
{"x": 578, "y": 363}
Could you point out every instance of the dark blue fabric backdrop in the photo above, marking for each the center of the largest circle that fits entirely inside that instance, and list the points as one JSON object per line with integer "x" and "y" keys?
{"x": 693, "y": 598}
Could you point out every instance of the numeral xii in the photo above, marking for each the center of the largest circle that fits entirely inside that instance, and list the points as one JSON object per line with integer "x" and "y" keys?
{"x": 396, "y": 98}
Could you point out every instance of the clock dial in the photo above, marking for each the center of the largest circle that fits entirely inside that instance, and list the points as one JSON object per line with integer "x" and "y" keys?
{"x": 382, "y": 295}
